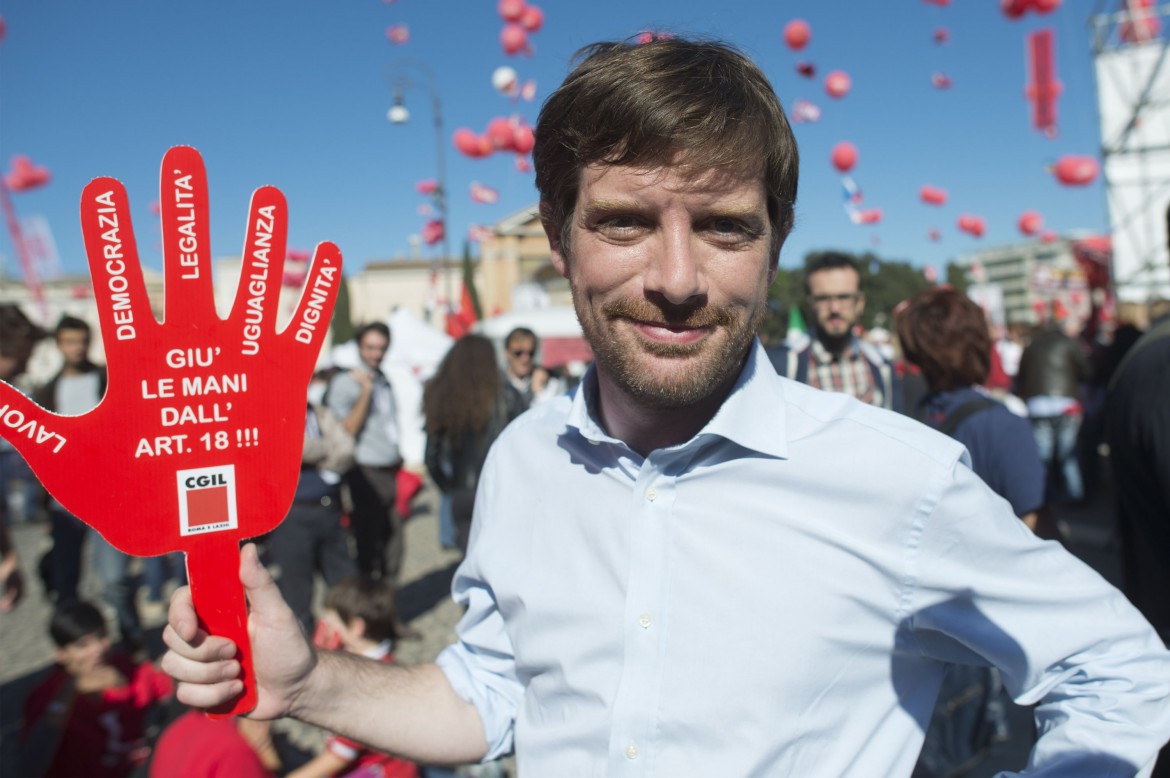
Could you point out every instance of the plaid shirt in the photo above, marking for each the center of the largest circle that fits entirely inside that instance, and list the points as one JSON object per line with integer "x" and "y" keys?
{"x": 850, "y": 373}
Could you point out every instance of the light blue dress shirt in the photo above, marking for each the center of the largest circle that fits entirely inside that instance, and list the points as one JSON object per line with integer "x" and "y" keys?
{"x": 776, "y": 597}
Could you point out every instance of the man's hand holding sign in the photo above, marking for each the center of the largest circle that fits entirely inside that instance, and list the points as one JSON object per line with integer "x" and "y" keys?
{"x": 196, "y": 444}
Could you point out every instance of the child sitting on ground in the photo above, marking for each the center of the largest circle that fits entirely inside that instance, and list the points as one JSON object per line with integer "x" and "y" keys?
{"x": 89, "y": 716}
{"x": 361, "y": 614}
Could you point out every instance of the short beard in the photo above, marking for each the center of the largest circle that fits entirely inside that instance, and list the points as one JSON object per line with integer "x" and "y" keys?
{"x": 694, "y": 380}
{"x": 835, "y": 344}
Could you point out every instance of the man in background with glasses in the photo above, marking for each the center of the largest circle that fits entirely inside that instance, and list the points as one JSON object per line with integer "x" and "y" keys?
{"x": 525, "y": 382}
{"x": 836, "y": 360}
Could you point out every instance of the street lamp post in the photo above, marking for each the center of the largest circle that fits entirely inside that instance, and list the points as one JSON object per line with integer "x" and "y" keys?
{"x": 400, "y": 78}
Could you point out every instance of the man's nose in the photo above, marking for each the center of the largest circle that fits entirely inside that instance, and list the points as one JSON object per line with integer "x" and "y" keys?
{"x": 676, "y": 269}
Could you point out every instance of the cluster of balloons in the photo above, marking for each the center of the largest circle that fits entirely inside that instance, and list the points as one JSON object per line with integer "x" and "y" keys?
{"x": 510, "y": 134}
{"x": 797, "y": 34}
{"x": 24, "y": 175}
{"x": 520, "y": 19}
{"x": 1014, "y": 9}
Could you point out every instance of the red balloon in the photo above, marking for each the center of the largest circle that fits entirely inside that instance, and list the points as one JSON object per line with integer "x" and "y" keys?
{"x": 532, "y": 19}
{"x": 871, "y": 216}
{"x": 1073, "y": 170}
{"x": 428, "y": 185}
{"x": 522, "y": 139}
{"x": 932, "y": 195}
{"x": 844, "y": 156}
{"x": 472, "y": 145}
{"x": 1045, "y": 6}
{"x": 511, "y": 10}
{"x": 499, "y": 132}
{"x": 934, "y": 234}
{"x": 837, "y": 84}
{"x": 806, "y": 69}
{"x": 797, "y": 34}
{"x": 514, "y": 39}
{"x": 1014, "y": 9}
{"x": 1030, "y": 222}
{"x": 972, "y": 225}
{"x": 941, "y": 35}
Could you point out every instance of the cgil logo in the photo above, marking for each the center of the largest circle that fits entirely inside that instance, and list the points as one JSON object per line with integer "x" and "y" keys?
{"x": 207, "y": 499}
{"x": 200, "y": 481}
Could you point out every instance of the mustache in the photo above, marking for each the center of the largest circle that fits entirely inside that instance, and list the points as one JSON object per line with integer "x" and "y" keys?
{"x": 668, "y": 315}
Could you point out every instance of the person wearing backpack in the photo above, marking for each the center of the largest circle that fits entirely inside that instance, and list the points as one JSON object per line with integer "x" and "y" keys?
{"x": 945, "y": 335}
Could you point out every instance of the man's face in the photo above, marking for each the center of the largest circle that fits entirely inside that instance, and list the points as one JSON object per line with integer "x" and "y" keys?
{"x": 836, "y": 299}
{"x": 669, "y": 273}
{"x": 372, "y": 348}
{"x": 74, "y": 346}
{"x": 519, "y": 353}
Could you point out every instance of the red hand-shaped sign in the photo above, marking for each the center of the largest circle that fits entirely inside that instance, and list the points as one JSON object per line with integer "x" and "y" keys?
{"x": 197, "y": 442}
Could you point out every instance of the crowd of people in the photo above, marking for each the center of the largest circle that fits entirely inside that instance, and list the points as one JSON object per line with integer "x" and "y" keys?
{"x": 882, "y": 594}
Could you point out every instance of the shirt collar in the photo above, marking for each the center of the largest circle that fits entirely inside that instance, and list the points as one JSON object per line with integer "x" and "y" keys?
{"x": 752, "y": 416}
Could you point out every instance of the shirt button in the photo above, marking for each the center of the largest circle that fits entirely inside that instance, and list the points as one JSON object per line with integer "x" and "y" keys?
{"x": 644, "y": 621}
{"x": 651, "y": 494}
{"x": 593, "y": 442}
{"x": 631, "y": 751}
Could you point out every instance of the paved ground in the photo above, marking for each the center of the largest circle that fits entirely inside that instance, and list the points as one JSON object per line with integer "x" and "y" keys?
{"x": 26, "y": 651}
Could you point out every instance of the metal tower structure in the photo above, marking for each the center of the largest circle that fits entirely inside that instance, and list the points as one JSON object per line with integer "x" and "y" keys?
{"x": 1132, "y": 73}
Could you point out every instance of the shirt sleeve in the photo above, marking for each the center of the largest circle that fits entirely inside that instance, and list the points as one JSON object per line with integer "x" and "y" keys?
{"x": 481, "y": 664}
{"x": 985, "y": 590}
{"x": 343, "y": 393}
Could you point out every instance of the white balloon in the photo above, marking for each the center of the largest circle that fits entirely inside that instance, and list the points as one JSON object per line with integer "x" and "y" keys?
{"x": 504, "y": 79}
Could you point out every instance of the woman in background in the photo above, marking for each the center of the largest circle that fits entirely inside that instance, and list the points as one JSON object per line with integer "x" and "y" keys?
{"x": 464, "y": 409}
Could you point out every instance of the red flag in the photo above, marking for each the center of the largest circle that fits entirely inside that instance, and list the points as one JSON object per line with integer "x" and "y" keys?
{"x": 459, "y": 322}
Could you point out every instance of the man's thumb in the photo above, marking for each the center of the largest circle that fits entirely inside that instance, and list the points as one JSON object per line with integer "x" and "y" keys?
{"x": 259, "y": 587}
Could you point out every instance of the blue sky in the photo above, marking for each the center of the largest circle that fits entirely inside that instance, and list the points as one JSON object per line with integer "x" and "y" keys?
{"x": 295, "y": 94}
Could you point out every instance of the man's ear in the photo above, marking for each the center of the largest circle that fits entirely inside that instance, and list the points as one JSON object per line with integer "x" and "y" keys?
{"x": 553, "y": 231}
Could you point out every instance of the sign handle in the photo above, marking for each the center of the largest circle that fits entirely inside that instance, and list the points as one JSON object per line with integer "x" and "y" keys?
{"x": 218, "y": 596}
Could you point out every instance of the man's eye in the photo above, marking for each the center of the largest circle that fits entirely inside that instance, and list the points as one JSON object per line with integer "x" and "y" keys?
{"x": 620, "y": 222}
{"x": 726, "y": 225}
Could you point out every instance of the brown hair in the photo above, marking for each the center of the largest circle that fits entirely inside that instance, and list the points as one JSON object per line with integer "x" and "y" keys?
{"x": 465, "y": 390}
{"x": 371, "y": 600}
{"x": 945, "y": 334}
{"x": 647, "y": 104}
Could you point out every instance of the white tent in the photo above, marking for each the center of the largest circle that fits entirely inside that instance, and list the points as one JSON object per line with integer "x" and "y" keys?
{"x": 416, "y": 349}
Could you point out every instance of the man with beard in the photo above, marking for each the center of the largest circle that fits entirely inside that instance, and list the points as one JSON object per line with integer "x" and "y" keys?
{"x": 837, "y": 360}
{"x": 670, "y": 571}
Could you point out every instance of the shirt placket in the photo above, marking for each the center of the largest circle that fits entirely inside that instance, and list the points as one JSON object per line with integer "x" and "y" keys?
{"x": 633, "y": 733}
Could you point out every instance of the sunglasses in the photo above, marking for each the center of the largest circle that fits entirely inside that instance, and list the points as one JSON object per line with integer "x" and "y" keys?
{"x": 519, "y": 352}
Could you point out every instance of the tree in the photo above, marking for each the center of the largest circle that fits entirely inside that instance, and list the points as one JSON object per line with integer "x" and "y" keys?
{"x": 342, "y": 324}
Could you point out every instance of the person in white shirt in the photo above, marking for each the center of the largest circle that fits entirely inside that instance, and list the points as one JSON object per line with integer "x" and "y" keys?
{"x": 689, "y": 565}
